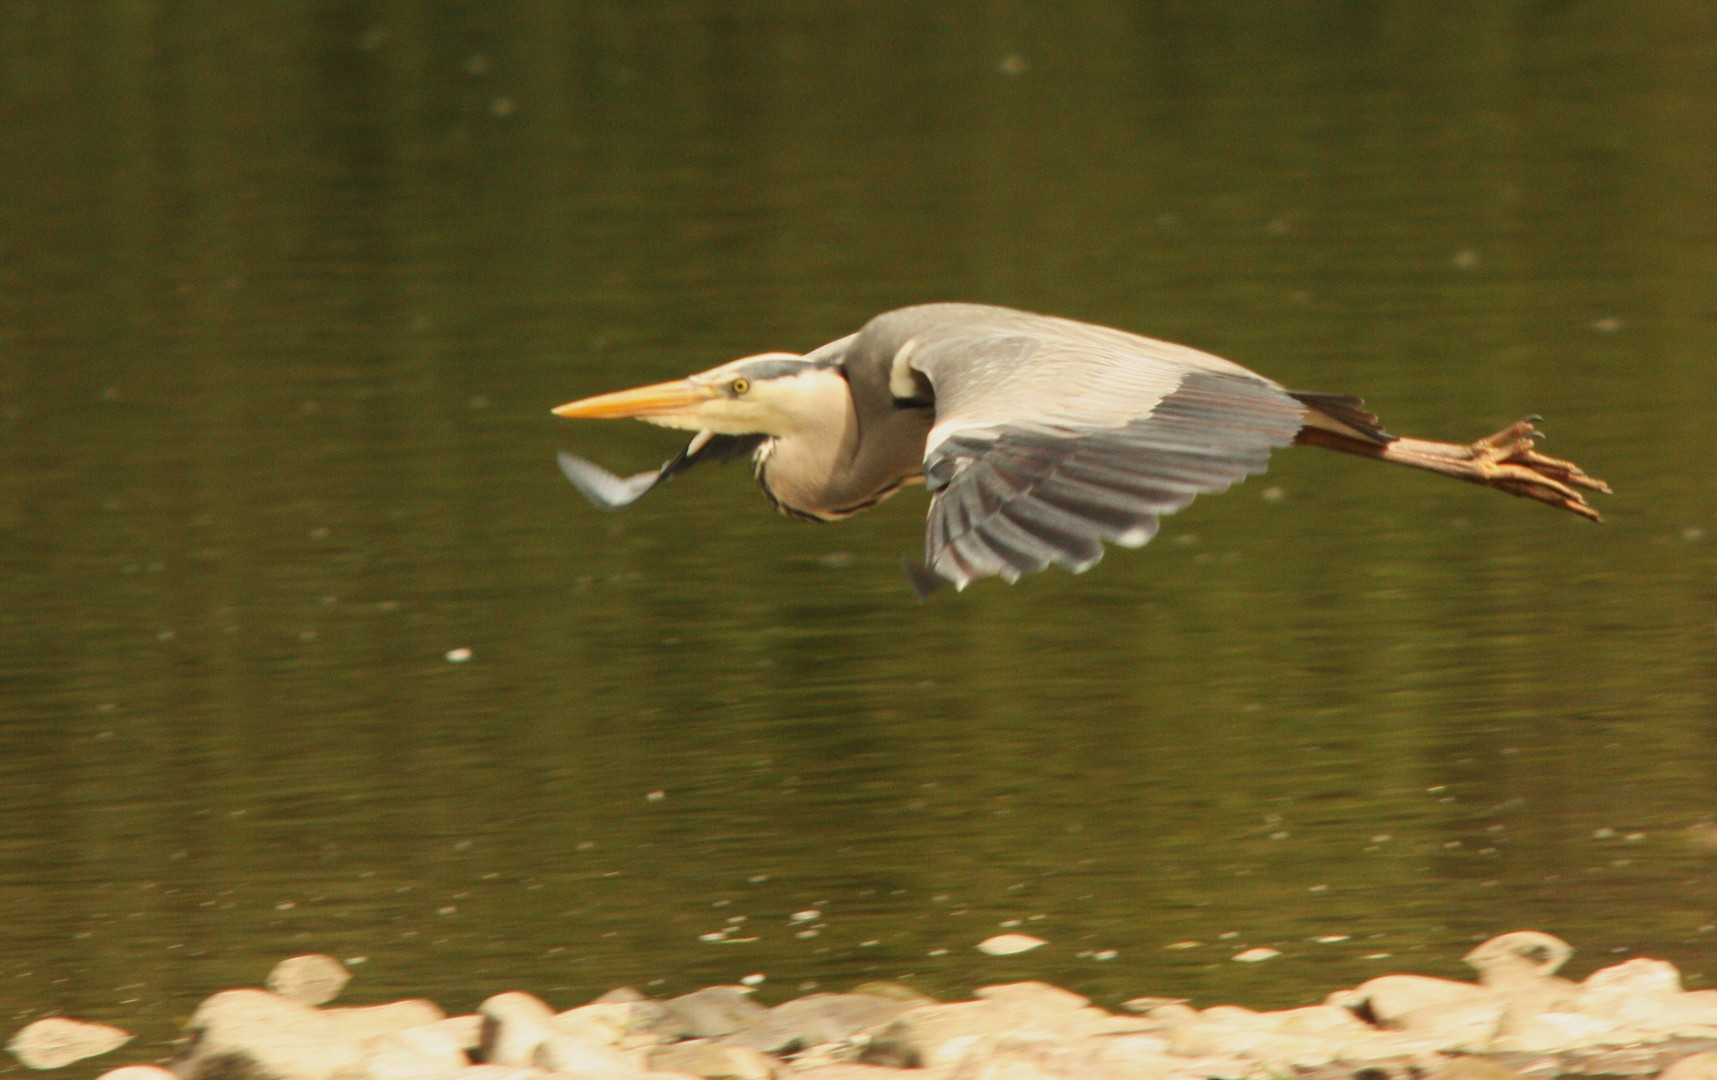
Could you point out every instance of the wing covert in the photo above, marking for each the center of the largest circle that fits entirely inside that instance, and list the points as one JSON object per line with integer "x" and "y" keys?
{"x": 1053, "y": 437}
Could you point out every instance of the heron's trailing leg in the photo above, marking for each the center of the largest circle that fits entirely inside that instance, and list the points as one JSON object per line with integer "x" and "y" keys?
{"x": 1507, "y": 461}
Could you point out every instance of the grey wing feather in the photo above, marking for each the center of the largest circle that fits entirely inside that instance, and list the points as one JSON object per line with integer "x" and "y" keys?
{"x": 607, "y": 491}
{"x": 1052, "y": 436}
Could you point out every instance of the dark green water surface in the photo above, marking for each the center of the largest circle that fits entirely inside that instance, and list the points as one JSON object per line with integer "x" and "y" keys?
{"x": 287, "y": 290}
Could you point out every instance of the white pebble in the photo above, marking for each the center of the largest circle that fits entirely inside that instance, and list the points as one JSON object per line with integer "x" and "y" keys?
{"x": 57, "y": 1041}
{"x": 1253, "y": 956}
{"x": 753, "y": 980}
{"x": 458, "y": 656}
{"x": 1009, "y": 944}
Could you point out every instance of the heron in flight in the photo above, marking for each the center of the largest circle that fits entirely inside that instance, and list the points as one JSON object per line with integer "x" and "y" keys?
{"x": 1039, "y": 438}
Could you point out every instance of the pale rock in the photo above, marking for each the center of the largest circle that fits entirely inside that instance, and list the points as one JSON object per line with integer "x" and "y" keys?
{"x": 816, "y": 1019}
{"x": 701, "y": 1057}
{"x": 893, "y": 990}
{"x": 1032, "y": 995}
{"x": 1636, "y": 976}
{"x": 709, "y": 1013}
{"x": 932, "y": 1036}
{"x": 1234, "y": 1016}
{"x": 1639, "y": 992}
{"x": 1170, "y": 1017}
{"x": 1467, "y": 1067}
{"x": 1692, "y": 1015}
{"x": 514, "y": 1025}
{"x": 849, "y": 1071}
{"x": 394, "y": 1057}
{"x": 454, "y": 1033}
{"x": 1316, "y": 1020}
{"x": 372, "y": 1021}
{"x": 937, "y": 1036}
{"x": 137, "y": 1072}
{"x": 1383, "y": 1046}
{"x": 1288, "y": 1052}
{"x": 1145, "y": 1004}
{"x": 584, "y": 1058}
{"x": 264, "y": 1036}
{"x": 1467, "y": 1025}
{"x": 1519, "y": 959}
{"x": 1696, "y": 1067}
{"x": 57, "y": 1041}
{"x": 1551, "y": 1031}
{"x": 1220, "y": 1068}
{"x": 606, "y": 1022}
{"x": 498, "y": 1072}
{"x": 1255, "y": 1039}
{"x": 1390, "y": 997}
{"x": 1139, "y": 1057}
{"x": 1009, "y": 944}
{"x": 310, "y": 980}
{"x": 1015, "y": 1057}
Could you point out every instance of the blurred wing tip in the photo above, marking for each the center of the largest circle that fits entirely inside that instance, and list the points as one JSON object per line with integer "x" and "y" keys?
{"x": 601, "y": 488}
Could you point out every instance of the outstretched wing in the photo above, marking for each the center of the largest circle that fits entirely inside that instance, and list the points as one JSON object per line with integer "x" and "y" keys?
{"x": 607, "y": 491}
{"x": 1053, "y": 436}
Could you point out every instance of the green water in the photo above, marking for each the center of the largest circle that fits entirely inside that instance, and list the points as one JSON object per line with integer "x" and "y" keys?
{"x": 288, "y": 289}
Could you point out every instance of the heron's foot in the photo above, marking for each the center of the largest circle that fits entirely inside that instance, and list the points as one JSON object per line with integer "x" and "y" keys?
{"x": 1509, "y": 461}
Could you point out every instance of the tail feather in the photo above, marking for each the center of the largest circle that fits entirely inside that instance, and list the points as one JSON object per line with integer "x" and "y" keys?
{"x": 1346, "y": 410}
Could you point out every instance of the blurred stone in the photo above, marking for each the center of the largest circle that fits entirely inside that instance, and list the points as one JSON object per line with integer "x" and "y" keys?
{"x": 1316, "y": 1020}
{"x": 395, "y": 1057}
{"x": 1170, "y": 1017}
{"x": 1473, "y": 1068}
{"x": 1696, "y": 1067}
{"x": 709, "y": 1013}
{"x": 1146, "y": 1004}
{"x": 1009, "y": 944}
{"x": 1017, "y": 1057}
{"x": 850, "y": 1071}
{"x": 1468, "y": 1025}
{"x": 1032, "y": 995}
{"x": 256, "y": 1035}
{"x": 606, "y": 1022}
{"x": 1517, "y": 959}
{"x": 137, "y": 1072}
{"x": 57, "y": 1041}
{"x": 1387, "y": 998}
{"x": 370, "y": 1021}
{"x": 1383, "y": 1046}
{"x": 712, "y": 1060}
{"x": 583, "y": 1058}
{"x": 1551, "y": 1031}
{"x": 453, "y": 1033}
{"x": 514, "y": 1025}
{"x": 893, "y": 991}
{"x": 939, "y": 1036}
{"x": 310, "y": 980}
{"x": 815, "y": 1019}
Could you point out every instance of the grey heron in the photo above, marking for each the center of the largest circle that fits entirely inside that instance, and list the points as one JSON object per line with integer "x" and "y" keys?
{"x": 1040, "y": 438}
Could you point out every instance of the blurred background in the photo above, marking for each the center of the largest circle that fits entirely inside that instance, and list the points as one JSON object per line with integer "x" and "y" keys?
{"x": 305, "y": 645}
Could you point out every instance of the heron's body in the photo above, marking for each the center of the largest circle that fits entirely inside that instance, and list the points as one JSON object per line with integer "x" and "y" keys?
{"x": 1039, "y": 437}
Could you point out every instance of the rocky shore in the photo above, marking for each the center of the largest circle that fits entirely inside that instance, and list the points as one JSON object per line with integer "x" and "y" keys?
{"x": 1518, "y": 1019}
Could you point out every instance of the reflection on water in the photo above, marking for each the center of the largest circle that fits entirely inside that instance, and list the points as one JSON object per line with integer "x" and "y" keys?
{"x": 290, "y": 289}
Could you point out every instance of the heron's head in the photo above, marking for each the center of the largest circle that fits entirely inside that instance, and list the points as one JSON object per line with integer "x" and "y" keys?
{"x": 769, "y": 394}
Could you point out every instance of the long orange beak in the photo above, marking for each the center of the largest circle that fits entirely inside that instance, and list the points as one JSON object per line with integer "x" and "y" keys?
{"x": 640, "y": 403}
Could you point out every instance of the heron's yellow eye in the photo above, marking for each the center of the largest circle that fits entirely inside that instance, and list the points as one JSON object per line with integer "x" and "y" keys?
{"x": 739, "y": 386}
